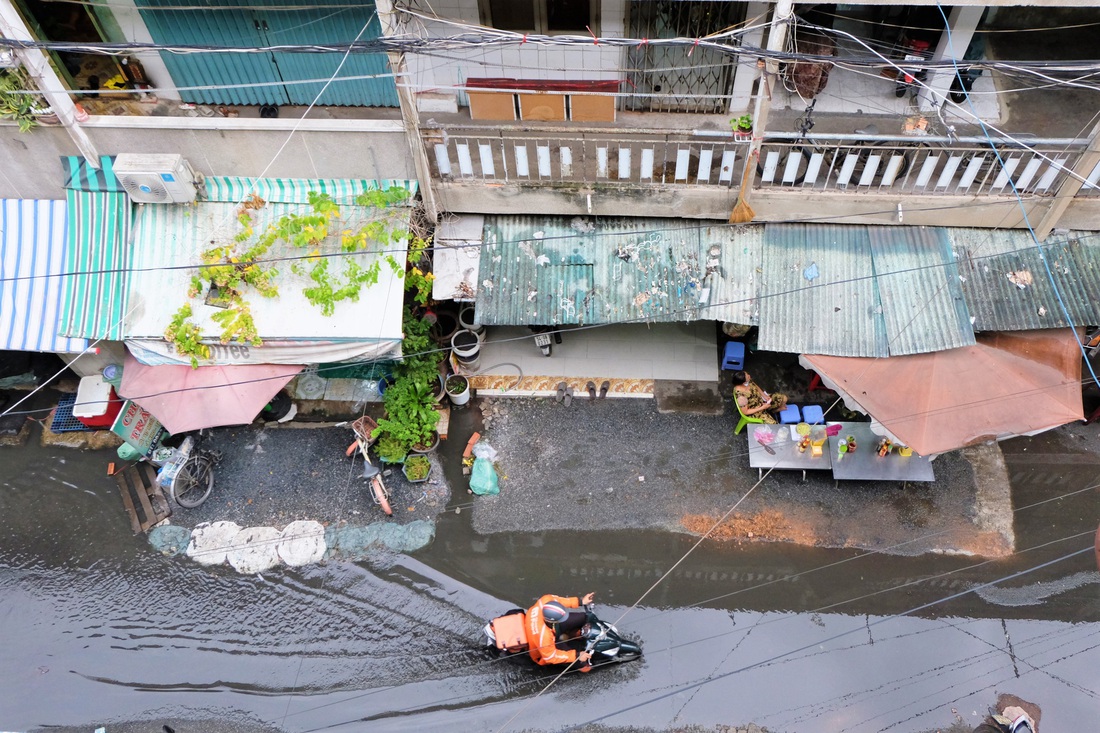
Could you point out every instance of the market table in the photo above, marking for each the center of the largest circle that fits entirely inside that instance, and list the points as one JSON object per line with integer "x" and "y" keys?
{"x": 786, "y": 450}
{"x": 867, "y": 465}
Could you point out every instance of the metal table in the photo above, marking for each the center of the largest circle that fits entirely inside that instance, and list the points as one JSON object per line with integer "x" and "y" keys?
{"x": 867, "y": 465}
{"x": 786, "y": 452}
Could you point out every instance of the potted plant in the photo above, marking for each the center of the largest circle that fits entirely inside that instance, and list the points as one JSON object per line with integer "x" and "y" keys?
{"x": 458, "y": 389}
{"x": 15, "y": 103}
{"x": 391, "y": 449}
{"x": 742, "y": 127}
{"x": 429, "y": 445}
{"x": 417, "y": 469}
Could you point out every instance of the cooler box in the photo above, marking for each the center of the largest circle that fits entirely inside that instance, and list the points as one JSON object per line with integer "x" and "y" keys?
{"x": 96, "y": 405}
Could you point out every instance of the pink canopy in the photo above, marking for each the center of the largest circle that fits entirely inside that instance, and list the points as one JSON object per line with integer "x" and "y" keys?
{"x": 1008, "y": 384}
{"x": 186, "y": 399}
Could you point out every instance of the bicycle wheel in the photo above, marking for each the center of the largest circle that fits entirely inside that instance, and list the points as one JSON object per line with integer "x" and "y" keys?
{"x": 194, "y": 482}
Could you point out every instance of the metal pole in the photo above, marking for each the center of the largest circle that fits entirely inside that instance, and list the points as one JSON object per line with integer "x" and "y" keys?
{"x": 1086, "y": 161}
{"x": 409, "y": 113}
{"x": 38, "y": 66}
{"x": 777, "y": 37}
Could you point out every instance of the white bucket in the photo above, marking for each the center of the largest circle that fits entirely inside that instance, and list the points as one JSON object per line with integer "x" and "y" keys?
{"x": 466, "y": 346}
{"x": 467, "y": 320}
{"x": 462, "y": 397}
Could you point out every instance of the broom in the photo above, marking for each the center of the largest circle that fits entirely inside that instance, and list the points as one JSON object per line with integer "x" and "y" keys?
{"x": 742, "y": 213}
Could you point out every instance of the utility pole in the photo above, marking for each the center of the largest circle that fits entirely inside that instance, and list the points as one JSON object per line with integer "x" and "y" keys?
{"x": 777, "y": 38}
{"x": 1085, "y": 164}
{"x": 38, "y": 66}
{"x": 410, "y": 115}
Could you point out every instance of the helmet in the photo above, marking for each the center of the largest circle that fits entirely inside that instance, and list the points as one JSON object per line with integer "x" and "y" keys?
{"x": 554, "y": 613}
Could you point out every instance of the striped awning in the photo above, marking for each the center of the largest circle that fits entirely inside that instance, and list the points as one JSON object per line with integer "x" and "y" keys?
{"x": 234, "y": 189}
{"x": 94, "y": 297}
{"x": 32, "y": 265}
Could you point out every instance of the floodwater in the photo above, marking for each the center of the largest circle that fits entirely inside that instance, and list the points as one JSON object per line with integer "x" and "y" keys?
{"x": 98, "y": 629}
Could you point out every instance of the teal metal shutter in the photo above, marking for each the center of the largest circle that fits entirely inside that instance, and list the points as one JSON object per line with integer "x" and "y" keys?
{"x": 270, "y": 78}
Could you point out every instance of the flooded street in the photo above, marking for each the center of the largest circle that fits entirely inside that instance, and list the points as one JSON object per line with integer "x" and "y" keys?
{"x": 99, "y": 629}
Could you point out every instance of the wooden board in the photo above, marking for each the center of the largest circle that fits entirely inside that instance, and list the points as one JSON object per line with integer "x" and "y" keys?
{"x": 492, "y": 105}
{"x": 145, "y": 502}
{"x": 541, "y": 106}
{"x": 591, "y": 108}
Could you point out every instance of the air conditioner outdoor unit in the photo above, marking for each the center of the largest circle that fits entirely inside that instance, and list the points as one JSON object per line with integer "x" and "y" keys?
{"x": 156, "y": 179}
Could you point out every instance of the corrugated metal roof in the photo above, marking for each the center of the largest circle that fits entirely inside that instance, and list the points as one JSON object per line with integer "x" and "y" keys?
{"x": 296, "y": 190}
{"x": 32, "y": 258}
{"x": 919, "y": 289}
{"x": 735, "y": 284}
{"x": 562, "y": 270}
{"x": 168, "y": 237}
{"x": 991, "y": 260}
{"x": 835, "y": 311}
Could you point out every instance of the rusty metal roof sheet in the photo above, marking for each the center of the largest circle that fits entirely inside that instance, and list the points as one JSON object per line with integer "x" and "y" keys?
{"x": 1006, "y": 285}
{"x": 919, "y": 288}
{"x": 579, "y": 270}
{"x": 817, "y": 292}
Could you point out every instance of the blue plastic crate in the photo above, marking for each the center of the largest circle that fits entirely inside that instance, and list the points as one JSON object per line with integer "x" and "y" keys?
{"x": 63, "y": 420}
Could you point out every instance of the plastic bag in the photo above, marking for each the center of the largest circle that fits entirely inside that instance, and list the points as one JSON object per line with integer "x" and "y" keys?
{"x": 484, "y": 450}
{"x": 483, "y": 478}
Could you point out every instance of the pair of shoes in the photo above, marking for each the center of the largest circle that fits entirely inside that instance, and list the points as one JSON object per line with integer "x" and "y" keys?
{"x": 591, "y": 390}
{"x": 603, "y": 389}
{"x": 561, "y": 391}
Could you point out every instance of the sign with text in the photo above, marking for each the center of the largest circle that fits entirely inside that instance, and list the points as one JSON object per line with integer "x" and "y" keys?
{"x": 139, "y": 428}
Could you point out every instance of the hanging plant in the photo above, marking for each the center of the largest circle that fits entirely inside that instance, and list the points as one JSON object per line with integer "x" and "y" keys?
{"x": 16, "y": 103}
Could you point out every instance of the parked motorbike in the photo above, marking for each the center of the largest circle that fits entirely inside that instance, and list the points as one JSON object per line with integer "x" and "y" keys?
{"x": 908, "y": 76}
{"x": 507, "y": 634}
{"x": 542, "y": 338}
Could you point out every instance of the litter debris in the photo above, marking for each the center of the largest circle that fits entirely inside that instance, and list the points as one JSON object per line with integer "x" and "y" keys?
{"x": 1042, "y": 311}
{"x": 1020, "y": 278}
{"x": 811, "y": 273}
{"x": 484, "y": 479}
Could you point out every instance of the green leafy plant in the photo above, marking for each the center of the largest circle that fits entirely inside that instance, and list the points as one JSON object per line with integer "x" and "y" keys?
{"x": 457, "y": 384}
{"x": 742, "y": 123}
{"x": 417, "y": 468}
{"x": 237, "y": 268}
{"x": 15, "y": 103}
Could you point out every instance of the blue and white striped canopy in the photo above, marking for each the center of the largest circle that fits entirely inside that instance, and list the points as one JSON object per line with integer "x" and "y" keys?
{"x": 32, "y": 273}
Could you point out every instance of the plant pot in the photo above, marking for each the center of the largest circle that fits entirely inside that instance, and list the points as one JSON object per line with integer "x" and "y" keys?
{"x": 742, "y": 136}
{"x": 466, "y": 346}
{"x": 445, "y": 326}
{"x": 422, "y": 449}
{"x": 409, "y": 474}
{"x": 468, "y": 321}
{"x": 439, "y": 388}
{"x": 458, "y": 389}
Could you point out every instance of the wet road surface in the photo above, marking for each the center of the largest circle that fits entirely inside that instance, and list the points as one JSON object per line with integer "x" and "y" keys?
{"x": 98, "y": 629}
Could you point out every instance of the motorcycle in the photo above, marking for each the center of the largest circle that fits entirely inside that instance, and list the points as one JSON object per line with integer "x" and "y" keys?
{"x": 507, "y": 634}
{"x": 915, "y": 50}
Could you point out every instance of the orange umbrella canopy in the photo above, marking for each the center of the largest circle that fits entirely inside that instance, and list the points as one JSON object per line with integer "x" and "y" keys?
{"x": 1008, "y": 384}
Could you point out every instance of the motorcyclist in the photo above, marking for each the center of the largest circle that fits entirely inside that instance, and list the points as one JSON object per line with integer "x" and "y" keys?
{"x": 1012, "y": 719}
{"x": 549, "y": 622}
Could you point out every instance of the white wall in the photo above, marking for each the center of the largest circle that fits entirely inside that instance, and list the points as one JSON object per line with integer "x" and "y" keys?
{"x": 529, "y": 61}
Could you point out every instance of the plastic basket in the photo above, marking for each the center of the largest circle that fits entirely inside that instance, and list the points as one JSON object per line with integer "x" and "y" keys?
{"x": 63, "y": 420}
{"x": 363, "y": 427}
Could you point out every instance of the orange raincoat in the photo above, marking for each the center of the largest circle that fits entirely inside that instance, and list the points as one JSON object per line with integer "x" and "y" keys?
{"x": 540, "y": 637}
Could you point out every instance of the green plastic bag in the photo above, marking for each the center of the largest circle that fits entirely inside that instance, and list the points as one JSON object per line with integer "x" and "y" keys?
{"x": 483, "y": 479}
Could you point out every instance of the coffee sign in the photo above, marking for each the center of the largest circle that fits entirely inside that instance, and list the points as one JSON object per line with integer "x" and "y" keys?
{"x": 139, "y": 428}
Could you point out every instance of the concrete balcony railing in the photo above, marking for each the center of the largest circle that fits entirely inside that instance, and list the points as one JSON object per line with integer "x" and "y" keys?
{"x": 707, "y": 159}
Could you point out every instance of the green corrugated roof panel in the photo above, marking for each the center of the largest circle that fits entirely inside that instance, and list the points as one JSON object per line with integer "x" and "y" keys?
{"x": 734, "y": 285}
{"x": 98, "y": 253}
{"x": 920, "y": 291}
{"x": 818, "y": 293}
{"x": 296, "y": 190}
{"x": 576, "y": 270}
{"x": 992, "y": 262}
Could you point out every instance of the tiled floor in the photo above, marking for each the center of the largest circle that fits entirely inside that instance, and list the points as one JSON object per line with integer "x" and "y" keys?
{"x": 629, "y": 356}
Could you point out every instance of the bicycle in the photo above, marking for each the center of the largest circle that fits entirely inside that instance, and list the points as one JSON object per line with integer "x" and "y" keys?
{"x": 363, "y": 427}
{"x": 194, "y": 479}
